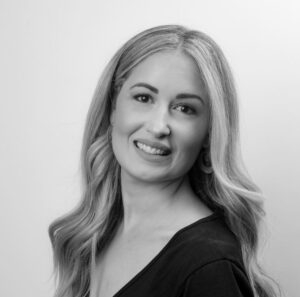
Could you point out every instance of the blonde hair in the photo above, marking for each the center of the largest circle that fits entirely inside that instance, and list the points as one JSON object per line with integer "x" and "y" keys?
{"x": 79, "y": 236}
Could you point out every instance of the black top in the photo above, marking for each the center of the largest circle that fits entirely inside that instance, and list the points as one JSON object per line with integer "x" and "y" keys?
{"x": 202, "y": 259}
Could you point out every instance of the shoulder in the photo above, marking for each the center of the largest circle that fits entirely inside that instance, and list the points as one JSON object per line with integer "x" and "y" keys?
{"x": 218, "y": 278}
{"x": 212, "y": 261}
{"x": 207, "y": 241}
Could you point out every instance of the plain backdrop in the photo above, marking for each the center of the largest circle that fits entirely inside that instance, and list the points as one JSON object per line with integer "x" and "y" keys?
{"x": 51, "y": 56}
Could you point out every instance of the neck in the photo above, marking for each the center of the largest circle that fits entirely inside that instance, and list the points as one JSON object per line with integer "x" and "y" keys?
{"x": 145, "y": 203}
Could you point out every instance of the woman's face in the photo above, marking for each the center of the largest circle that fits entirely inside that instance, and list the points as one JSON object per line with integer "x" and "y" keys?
{"x": 161, "y": 118}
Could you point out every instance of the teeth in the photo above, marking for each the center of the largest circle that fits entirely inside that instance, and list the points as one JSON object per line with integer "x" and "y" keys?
{"x": 149, "y": 149}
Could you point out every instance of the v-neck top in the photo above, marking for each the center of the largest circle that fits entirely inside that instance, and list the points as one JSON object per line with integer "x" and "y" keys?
{"x": 203, "y": 259}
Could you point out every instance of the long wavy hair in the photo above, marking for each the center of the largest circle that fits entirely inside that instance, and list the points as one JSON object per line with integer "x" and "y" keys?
{"x": 79, "y": 236}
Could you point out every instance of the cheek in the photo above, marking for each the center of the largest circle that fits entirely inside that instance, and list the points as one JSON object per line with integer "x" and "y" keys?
{"x": 189, "y": 142}
{"x": 124, "y": 119}
{"x": 191, "y": 145}
{"x": 126, "y": 122}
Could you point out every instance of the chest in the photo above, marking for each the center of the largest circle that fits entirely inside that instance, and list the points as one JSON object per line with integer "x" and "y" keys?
{"x": 122, "y": 261}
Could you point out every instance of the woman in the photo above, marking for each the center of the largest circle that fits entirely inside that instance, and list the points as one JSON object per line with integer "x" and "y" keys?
{"x": 168, "y": 208}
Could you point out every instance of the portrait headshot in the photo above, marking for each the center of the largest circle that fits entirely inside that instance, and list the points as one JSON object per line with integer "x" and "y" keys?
{"x": 168, "y": 208}
{"x": 150, "y": 149}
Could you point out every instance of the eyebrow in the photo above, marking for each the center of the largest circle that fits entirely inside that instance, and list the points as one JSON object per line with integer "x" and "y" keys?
{"x": 151, "y": 88}
{"x": 155, "y": 90}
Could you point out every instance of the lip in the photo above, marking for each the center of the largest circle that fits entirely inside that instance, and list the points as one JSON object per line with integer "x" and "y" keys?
{"x": 154, "y": 144}
{"x": 160, "y": 160}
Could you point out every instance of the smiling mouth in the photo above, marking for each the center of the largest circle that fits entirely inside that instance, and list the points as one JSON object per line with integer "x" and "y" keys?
{"x": 151, "y": 150}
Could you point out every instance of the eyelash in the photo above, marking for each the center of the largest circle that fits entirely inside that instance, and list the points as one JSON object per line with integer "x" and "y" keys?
{"x": 138, "y": 99}
{"x": 190, "y": 109}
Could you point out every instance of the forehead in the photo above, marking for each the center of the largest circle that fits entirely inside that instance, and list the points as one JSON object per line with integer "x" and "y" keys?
{"x": 171, "y": 69}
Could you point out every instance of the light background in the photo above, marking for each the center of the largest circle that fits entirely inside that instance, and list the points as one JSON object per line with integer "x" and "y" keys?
{"x": 51, "y": 56}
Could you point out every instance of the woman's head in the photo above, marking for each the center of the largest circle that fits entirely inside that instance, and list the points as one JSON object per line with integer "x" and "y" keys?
{"x": 160, "y": 118}
{"x": 206, "y": 74}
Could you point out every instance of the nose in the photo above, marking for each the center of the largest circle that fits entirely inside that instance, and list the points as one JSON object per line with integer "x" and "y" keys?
{"x": 158, "y": 123}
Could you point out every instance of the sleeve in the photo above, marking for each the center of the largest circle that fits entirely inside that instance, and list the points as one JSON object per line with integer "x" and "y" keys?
{"x": 221, "y": 278}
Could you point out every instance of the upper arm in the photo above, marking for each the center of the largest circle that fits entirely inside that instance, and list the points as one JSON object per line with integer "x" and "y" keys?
{"x": 221, "y": 278}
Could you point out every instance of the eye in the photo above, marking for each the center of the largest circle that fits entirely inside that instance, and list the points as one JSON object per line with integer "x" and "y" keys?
{"x": 185, "y": 109}
{"x": 143, "y": 98}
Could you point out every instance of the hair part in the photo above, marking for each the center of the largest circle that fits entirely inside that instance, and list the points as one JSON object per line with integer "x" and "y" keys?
{"x": 79, "y": 236}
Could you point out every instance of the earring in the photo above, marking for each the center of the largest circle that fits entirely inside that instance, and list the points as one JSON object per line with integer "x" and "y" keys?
{"x": 205, "y": 162}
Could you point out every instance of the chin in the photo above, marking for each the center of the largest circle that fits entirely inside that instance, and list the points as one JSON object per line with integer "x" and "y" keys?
{"x": 148, "y": 176}
{"x": 152, "y": 175}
